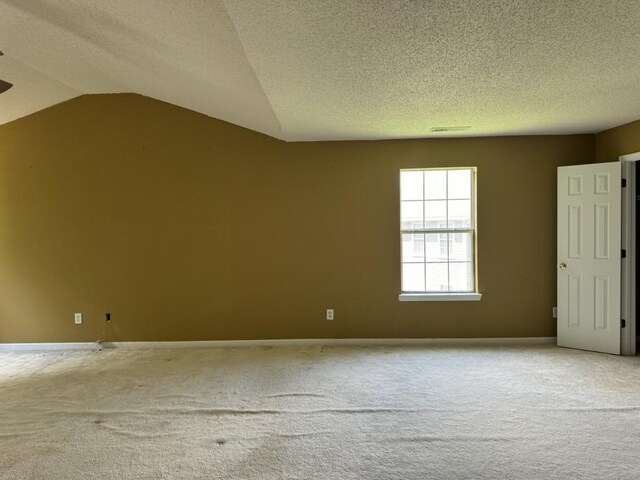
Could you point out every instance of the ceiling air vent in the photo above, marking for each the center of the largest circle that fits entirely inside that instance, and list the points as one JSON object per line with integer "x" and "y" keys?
{"x": 450, "y": 129}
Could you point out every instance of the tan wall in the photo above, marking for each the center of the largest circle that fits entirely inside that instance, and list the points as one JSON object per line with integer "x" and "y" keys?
{"x": 185, "y": 227}
{"x": 612, "y": 143}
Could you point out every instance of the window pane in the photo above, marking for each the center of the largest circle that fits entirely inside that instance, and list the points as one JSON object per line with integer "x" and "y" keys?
{"x": 413, "y": 247}
{"x": 413, "y": 277}
{"x": 461, "y": 248}
{"x": 411, "y": 215}
{"x": 444, "y": 239}
{"x": 434, "y": 247}
{"x": 437, "y": 277}
{"x": 459, "y": 213}
{"x": 435, "y": 185}
{"x": 435, "y": 214}
{"x": 459, "y": 184}
{"x": 411, "y": 185}
{"x": 461, "y": 277}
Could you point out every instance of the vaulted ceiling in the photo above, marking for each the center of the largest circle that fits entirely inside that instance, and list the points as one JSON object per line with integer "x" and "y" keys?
{"x": 336, "y": 69}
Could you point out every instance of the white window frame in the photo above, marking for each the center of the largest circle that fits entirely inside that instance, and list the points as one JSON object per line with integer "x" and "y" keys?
{"x": 406, "y": 296}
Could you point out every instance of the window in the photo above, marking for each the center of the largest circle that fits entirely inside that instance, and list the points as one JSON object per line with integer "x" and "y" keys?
{"x": 437, "y": 226}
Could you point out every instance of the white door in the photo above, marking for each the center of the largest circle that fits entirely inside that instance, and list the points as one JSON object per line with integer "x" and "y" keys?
{"x": 589, "y": 221}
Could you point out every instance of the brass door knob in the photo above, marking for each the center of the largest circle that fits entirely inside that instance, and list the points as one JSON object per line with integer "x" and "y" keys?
{"x": 562, "y": 266}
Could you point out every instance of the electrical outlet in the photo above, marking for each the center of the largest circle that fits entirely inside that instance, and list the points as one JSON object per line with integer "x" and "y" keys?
{"x": 329, "y": 313}
{"x": 555, "y": 312}
{"x": 77, "y": 318}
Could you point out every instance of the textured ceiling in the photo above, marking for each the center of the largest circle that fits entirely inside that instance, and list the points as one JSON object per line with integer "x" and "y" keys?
{"x": 336, "y": 69}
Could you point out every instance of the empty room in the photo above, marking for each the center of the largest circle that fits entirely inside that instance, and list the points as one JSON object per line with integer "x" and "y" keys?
{"x": 319, "y": 239}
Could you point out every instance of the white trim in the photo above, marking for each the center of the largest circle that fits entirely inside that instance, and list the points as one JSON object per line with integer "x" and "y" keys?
{"x": 630, "y": 157}
{"x": 25, "y": 347}
{"x": 337, "y": 342}
{"x": 406, "y": 231}
{"x": 439, "y": 297}
{"x": 628, "y": 237}
{"x": 505, "y": 341}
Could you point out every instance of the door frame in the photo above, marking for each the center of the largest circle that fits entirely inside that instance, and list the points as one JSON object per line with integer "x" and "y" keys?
{"x": 628, "y": 267}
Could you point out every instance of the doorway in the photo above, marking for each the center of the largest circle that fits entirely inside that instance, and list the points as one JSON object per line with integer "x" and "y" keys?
{"x": 630, "y": 284}
{"x": 636, "y": 201}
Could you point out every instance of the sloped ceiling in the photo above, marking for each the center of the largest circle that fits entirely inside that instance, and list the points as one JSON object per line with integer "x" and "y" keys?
{"x": 336, "y": 69}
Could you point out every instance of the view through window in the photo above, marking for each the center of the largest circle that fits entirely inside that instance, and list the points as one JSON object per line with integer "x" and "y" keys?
{"x": 438, "y": 230}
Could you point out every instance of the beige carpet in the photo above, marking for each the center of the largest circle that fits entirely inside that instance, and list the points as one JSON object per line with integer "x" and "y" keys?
{"x": 320, "y": 413}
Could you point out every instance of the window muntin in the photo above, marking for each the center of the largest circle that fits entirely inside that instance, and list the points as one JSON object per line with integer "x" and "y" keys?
{"x": 437, "y": 222}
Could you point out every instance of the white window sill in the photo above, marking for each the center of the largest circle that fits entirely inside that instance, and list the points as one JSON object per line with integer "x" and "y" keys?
{"x": 439, "y": 297}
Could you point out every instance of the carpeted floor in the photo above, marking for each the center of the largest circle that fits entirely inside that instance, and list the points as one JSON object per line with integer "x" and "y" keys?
{"x": 320, "y": 413}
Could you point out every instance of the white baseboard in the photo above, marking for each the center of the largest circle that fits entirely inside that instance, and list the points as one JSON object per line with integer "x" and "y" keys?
{"x": 503, "y": 341}
{"x": 16, "y": 347}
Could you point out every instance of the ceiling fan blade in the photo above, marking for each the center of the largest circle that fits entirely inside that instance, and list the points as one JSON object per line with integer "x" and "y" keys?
{"x": 4, "y": 86}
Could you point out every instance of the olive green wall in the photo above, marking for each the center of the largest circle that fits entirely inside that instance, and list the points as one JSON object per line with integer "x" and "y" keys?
{"x": 621, "y": 140}
{"x": 188, "y": 228}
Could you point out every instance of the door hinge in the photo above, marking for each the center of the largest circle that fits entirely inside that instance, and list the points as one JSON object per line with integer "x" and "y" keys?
{"x": 624, "y": 253}
{"x": 623, "y": 323}
{"x": 624, "y": 182}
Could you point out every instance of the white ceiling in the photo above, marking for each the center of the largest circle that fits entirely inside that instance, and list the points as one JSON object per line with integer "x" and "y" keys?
{"x": 336, "y": 69}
